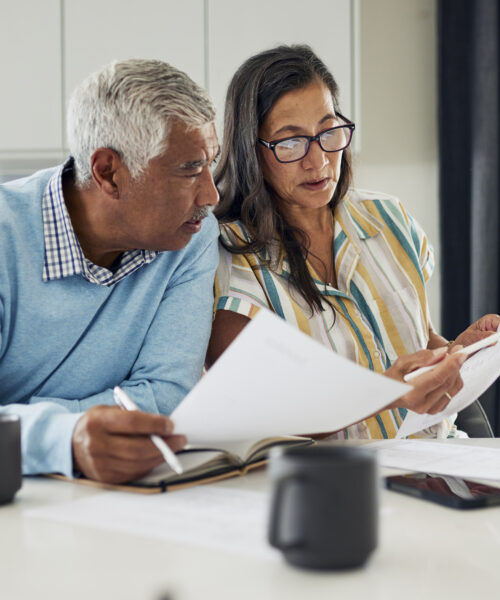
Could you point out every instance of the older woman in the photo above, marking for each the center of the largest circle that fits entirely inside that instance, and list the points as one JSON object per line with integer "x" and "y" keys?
{"x": 346, "y": 266}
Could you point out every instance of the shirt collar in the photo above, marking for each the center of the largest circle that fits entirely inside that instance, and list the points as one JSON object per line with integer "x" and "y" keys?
{"x": 365, "y": 224}
{"x": 63, "y": 255}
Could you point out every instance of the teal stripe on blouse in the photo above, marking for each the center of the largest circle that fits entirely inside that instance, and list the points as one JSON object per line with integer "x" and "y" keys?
{"x": 273, "y": 293}
{"x": 414, "y": 236}
{"x": 396, "y": 211}
{"x": 357, "y": 332}
{"x": 365, "y": 309}
{"x": 235, "y": 304}
{"x": 381, "y": 425}
{"x": 338, "y": 241}
{"x": 400, "y": 237}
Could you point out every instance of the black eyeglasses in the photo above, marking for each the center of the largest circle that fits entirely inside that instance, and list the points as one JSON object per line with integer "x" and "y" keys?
{"x": 294, "y": 148}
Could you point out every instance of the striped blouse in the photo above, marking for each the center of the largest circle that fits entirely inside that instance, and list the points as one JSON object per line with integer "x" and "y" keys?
{"x": 382, "y": 262}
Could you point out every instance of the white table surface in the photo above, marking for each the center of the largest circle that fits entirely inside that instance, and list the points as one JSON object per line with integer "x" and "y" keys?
{"x": 425, "y": 551}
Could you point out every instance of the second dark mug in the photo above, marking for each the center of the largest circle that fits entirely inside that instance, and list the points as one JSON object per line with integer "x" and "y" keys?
{"x": 10, "y": 457}
{"x": 324, "y": 505}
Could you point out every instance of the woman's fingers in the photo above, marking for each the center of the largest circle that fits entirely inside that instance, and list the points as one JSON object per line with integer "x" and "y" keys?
{"x": 433, "y": 390}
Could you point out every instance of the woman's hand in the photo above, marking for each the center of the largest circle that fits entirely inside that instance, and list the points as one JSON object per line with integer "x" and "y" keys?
{"x": 432, "y": 390}
{"x": 482, "y": 328}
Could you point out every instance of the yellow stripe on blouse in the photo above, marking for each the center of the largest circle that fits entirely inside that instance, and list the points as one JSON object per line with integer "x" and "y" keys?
{"x": 382, "y": 260}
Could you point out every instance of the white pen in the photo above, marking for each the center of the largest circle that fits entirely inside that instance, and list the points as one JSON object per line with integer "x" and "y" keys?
{"x": 484, "y": 343}
{"x": 124, "y": 401}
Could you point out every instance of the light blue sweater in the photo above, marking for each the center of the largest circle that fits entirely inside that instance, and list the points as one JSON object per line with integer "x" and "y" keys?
{"x": 65, "y": 343}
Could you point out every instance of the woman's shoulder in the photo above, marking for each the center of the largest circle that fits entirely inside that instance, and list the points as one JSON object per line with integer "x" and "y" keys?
{"x": 364, "y": 197}
{"x": 377, "y": 204}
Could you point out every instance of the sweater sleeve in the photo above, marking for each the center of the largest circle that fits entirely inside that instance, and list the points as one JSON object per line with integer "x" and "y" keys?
{"x": 46, "y": 436}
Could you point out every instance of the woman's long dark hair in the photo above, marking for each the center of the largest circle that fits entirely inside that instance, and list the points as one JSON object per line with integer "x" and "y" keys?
{"x": 253, "y": 91}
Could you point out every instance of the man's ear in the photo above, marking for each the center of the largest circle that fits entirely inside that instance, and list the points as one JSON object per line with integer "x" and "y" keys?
{"x": 104, "y": 164}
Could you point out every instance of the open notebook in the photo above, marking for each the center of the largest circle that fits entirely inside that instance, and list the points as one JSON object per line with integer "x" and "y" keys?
{"x": 203, "y": 465}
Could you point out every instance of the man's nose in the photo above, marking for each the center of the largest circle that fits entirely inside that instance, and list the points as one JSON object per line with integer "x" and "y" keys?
{"x": 208, "y": 193}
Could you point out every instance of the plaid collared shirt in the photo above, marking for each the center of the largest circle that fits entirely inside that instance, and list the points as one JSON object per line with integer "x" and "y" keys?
{"x": 63, "y": 254}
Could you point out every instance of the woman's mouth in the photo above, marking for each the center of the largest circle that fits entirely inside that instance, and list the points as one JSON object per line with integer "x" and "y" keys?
{"x": 316, "y": 184}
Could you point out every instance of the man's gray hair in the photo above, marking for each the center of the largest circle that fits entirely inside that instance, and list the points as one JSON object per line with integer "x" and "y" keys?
{"x": 127, "y": 106}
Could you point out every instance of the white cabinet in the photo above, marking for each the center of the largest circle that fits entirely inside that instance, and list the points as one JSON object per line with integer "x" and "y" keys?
{"x": 236, "y": 30}
{"x": 47, "y": 47}
{"x": 30, "y": 71}
{"x": 99, "y": 31}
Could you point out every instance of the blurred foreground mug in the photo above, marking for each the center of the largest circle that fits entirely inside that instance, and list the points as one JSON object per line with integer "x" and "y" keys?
{"x": 324, "y": 505}
{"x": 10, "y": 457}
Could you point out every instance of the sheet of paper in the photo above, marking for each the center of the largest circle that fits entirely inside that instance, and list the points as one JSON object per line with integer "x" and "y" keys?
{"x": 478, "y": 373}
{"x": 275, "y": 380}
{"x": 460, "y": 460}
{"x": 208, "y": 516}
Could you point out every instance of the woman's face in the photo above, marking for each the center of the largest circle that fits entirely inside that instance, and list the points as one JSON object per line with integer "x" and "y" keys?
{"x": 310, "y": 182}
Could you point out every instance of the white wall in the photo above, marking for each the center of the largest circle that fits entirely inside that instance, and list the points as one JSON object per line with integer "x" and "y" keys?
{"x": 397, "y": 73}
{"x": 398, "y": 112}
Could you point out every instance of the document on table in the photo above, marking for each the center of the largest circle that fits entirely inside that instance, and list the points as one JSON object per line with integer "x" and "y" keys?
{"x": 217, "y": 518}
{"x": 275, "y": 380}
{"x": 443, "y": 458}
{"x": 478, "y": 373}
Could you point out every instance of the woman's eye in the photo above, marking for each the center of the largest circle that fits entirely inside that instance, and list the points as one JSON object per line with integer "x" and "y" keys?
{"x": 291, "y": 143}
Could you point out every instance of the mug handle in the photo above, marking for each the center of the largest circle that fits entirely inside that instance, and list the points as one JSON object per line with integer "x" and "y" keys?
{"x": 273, "y": 534}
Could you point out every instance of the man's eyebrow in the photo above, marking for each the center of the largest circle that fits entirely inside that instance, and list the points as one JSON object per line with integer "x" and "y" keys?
{"x": 191, "y": 165}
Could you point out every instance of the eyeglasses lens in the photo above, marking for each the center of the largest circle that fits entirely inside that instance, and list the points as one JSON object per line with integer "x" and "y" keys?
{"x": 331, "y": 140}
{"x": 334, "y": 139}
{"x": 291, "y": 149}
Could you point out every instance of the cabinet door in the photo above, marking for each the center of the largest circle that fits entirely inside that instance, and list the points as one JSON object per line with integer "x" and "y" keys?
{"x": 236, "y": 30}
{"x": 30, "y": 67}
{"x": 97, "y": 31}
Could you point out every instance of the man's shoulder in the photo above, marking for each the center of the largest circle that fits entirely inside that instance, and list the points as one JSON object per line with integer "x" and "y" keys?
{"x": 20, "y": 194}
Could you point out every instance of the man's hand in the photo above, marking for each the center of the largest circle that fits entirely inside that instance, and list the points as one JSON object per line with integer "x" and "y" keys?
{"x": 482, "y": 328}
{"x": 113, "y": 446}
{"x": 432, "y": 390}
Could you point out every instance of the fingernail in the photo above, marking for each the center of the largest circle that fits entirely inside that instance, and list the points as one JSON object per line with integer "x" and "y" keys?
{"x": 169, "y": 426}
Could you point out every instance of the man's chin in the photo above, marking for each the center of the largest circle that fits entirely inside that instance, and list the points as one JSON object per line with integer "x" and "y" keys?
{"x": 172, "y": 244}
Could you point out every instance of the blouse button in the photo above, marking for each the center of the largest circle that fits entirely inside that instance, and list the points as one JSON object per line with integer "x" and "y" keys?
{"x": 376, "y": 354}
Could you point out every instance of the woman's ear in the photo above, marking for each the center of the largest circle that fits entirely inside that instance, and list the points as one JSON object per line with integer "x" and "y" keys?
{"x": 104, "y": 165}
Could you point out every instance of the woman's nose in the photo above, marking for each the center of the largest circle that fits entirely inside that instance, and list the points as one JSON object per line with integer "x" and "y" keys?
{"x": 316, "y": 157}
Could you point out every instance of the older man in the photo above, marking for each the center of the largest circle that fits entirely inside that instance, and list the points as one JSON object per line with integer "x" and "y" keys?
{"x": 106, "y": 274}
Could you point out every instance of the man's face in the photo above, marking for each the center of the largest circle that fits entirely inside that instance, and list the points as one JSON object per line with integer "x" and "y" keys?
{"x": 163, "y": 207}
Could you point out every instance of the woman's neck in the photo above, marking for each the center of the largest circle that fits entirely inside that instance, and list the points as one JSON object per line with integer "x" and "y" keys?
{"x": 313, "y": 222}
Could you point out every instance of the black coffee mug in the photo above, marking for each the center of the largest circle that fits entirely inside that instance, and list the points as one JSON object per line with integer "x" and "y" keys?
{"x": 324, "y": 505}
{"x": 10, "y": 457}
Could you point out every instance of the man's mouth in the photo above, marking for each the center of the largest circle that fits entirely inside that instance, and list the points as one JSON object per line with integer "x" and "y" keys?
{"x": 194, "y": 223}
